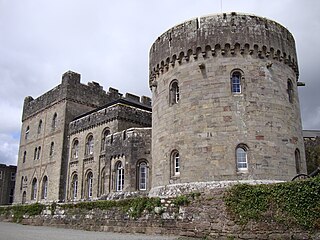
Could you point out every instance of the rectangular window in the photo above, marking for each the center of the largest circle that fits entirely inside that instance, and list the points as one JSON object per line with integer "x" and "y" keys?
{"x": 236, "y": 85}
{"x": 90, "y": 187}
{"x": 177, "y": 164}
{"x": 120, "y": 179}
{"x": 75, "y": 189}
{"x": 13, "y": 176}
{"x": 143, "y": 177}
{"x": 236, "y": 82}
{"x": 0, "y": 174}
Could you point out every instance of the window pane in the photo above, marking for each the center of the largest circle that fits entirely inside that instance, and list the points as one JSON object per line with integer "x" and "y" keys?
{"x": 143, "y": 176}
{"x": 119, "y": 177}
{"x": 241, "y": 158}
{"x": 177, "y": 163}
{"x": 236, "y": 82}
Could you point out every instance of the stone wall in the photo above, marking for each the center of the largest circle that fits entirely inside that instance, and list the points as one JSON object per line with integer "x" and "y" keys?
{"x": 7, "y": 183}
{"x": 121, "y": 110}
{"x": 223, "y": 33}
{"x": 205, "y": 216}
{"x": 131, "y": 147}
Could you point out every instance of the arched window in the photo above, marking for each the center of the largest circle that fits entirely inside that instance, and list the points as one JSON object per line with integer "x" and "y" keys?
{"x": 54, "y": 121}
{"x": 51, "y": 149}
{"x": 174, "y": 92}
{"x": 27, "y": 132}
{"x": 241, "y": 157}
{"x": 74, "y": 186}
{"x": 24, "y": 197}
{"x": 290, "y": 90}
{"x": 142, "y": 175}
{"x": 75, "y": 149}
{"x": 119, "y": 177}
{"x": 24, "y": 156}
{"x": 297, "y": 160}
{"x": 105, "y": 133}
{"x": 44, "y": 187}
{"x": 89, "y": 184}
{"x": 89, "y": 145}
{"x": 34, "y": 189}
{"x": 102, "y": 181}
{"x": 236, "y": 82}
{"x": 175, "y": 163}
{"x": 40, "y": 126}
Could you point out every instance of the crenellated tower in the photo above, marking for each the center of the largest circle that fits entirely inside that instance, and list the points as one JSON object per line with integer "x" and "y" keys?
{"x": 43, "y": 150}
{"x": 225, "y": 101}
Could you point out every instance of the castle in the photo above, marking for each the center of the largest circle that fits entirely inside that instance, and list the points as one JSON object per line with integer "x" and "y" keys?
{"x": 224, "y": 107}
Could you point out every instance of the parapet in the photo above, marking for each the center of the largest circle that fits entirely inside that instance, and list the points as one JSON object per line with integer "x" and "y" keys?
{"x": 121, "y": 110}
{"x": 121, "y": 143}
{"x": 92, "y": 95}
{"x": 8, "y": 166}
{"x": 70, "y": 89}
{"x": 226, "y": 34}
{"x": 137, "y": 99}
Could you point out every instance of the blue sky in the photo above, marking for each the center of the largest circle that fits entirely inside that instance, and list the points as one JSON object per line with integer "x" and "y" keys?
{"x": 109, "y": 42}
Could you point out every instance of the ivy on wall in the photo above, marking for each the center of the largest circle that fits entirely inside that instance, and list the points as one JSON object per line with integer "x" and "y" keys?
{"x": 18, "y": 211}
{"x": 134, "y": 207}
{"x": 290, "y": 203}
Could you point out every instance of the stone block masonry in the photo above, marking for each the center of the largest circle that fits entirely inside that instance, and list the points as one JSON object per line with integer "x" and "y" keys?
{"x": 225, "y": 101}
{"x": 204, "y": 217}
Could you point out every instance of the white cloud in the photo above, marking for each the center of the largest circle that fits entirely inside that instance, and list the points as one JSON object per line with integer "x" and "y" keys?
{"x": 8, "y": 149}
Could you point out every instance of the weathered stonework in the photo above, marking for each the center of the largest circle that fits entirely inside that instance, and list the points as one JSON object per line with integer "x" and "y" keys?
{"x": 92, "y": 144}
{"x": 127, "y": 145}
{"x": 205, "y": 217}
{"x": 130, "y": 147}
{"x": 44, "y": 153}
{"x": 209, "y": 121}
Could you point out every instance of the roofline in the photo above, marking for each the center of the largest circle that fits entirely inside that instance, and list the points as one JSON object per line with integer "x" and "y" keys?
{"x": 121, "y": 100}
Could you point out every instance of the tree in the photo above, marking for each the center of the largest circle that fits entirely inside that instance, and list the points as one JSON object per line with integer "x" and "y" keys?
{"x": 312, "y": 148}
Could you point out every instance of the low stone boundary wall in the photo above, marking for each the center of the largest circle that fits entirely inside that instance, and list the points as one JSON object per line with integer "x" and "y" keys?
{"x": 205, "y": 216}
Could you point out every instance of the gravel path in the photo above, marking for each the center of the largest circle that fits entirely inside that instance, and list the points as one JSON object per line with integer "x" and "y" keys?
{"x": 13, "y": 231}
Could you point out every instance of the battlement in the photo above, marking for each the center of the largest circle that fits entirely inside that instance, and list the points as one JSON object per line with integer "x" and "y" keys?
{"x": 7, "y": 166}
{"x": 71, "y": 89}
{"x": 227, "y": 35}
{"x": 121, "y": 143}
{"x": 119, "y": 110}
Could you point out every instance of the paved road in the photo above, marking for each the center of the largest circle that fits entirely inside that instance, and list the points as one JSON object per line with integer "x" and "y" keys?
{"x": 13, "y": 231}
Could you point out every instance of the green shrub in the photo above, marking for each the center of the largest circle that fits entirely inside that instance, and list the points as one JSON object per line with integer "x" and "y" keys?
{"x": 182, "y": 200}
{"x": 19, "y": 210}
{"x": 289, "y": 203}
{"x": 134, "y": 207}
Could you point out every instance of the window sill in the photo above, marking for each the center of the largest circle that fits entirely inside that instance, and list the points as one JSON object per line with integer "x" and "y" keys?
{"x": 176, "y": 176}
{"x": 237, "y": 94}
{"x": 242, "y": 171}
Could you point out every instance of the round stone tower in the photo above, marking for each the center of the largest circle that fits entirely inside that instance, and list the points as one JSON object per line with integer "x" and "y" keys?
{"x": 225, "y": 101}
